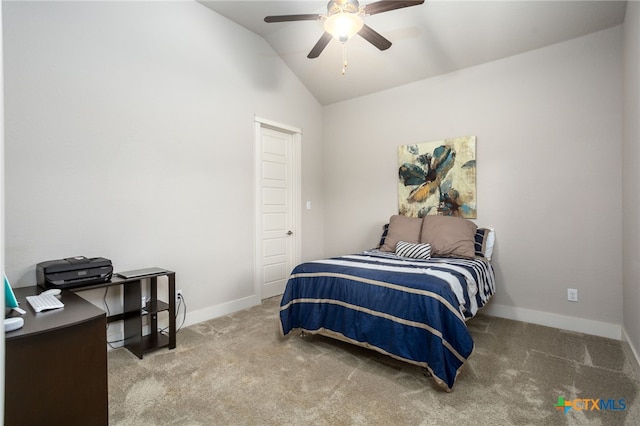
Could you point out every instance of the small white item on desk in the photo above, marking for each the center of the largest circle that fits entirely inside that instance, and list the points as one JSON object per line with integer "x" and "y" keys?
{"x": 52, "y": 291}
{"x": 11, "y": 324}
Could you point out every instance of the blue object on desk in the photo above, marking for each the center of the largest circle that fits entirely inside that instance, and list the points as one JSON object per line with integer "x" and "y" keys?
{"x": 9, "y": 298}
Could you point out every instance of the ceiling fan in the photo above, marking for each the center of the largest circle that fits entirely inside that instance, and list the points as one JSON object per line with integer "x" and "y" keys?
{"x": 344, "y": 20}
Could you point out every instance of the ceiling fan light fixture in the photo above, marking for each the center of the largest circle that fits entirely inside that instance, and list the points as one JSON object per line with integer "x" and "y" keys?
{"x": 342, "y": 26}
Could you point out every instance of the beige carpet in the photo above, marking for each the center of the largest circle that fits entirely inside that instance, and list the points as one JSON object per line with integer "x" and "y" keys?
{"x": 237, "y": 370}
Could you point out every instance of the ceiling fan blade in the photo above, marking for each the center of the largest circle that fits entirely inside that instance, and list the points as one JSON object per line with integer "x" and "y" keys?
{"x": 320, "y": 45}
{"x": 289, "y": 18}
{"x": 374, "y": 38}
{"x": 385, "y": 6}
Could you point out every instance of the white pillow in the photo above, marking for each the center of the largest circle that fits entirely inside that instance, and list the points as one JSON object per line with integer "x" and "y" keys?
{"x": 491, "y": 239}
{"x": 413, "y": 250}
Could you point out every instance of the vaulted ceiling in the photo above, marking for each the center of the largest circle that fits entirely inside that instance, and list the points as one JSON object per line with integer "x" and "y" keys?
{"x": 434, "y": 38}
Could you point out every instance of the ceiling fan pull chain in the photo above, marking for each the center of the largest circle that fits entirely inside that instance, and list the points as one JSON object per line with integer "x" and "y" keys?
{"x": 344, "y": 58}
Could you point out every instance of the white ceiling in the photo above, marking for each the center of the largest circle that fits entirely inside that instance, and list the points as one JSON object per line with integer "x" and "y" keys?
{"x": 437, "y": 37}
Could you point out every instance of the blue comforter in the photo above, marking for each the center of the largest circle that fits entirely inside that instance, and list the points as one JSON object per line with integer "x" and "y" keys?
{"x": 413, "y": 310}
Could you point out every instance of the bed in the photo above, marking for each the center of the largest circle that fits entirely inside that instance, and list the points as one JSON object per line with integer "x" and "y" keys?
{"x": 412, "y": 306}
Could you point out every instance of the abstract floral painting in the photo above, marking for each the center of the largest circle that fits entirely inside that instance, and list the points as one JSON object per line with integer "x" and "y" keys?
{"x": 438, "y": 178}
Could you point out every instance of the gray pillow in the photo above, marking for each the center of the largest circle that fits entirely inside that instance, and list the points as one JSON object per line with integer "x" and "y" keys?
{"x": 449, "y": 236}
{"x": 402, "y": 228}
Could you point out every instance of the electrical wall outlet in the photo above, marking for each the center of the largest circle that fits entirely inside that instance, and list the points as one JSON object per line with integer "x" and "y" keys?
{"x": 572, "y": 294}
{"x": 178, "y": 295}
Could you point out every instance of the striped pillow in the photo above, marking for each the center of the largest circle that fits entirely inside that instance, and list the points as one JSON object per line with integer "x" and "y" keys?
{"x": 480, "y": 241}
{"x": 385, "y": 231}
{"x": 484, "y": 240}
{"x": 413, "y": 250}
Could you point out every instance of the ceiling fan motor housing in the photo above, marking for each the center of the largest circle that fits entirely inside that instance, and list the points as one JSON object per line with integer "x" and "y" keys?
{"x": 338, "y": 6}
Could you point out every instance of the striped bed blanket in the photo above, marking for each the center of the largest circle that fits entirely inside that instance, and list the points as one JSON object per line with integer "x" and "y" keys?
{"x": 413, "y": 310}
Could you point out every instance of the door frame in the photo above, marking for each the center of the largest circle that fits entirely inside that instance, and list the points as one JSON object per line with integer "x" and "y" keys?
{"x": 296, "y": 136}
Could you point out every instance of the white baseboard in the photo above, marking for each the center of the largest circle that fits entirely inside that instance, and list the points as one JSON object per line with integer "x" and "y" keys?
{"x": 632, "y": 353}
{"x": 564, "y": 322}
{"x": 211, "y": 312}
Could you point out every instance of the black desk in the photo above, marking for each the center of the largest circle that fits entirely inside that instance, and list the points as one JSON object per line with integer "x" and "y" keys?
{"x": 56, "y": 364}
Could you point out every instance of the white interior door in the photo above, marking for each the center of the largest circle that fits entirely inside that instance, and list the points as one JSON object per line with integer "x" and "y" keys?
{"x": 277, "y": 222}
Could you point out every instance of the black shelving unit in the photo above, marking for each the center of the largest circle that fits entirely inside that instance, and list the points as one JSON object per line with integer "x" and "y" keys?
{"x": 133, "y": 312}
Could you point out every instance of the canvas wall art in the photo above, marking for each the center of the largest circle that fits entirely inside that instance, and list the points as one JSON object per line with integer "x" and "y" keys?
{"x": 438, "y": 178}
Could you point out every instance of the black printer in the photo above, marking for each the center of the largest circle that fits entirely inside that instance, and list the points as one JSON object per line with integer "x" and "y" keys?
{"x": 73, "y": 272}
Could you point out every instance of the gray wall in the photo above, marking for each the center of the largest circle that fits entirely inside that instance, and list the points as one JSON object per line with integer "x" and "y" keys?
{"x": 129, "y": 135}
{"x": 548, "y": 127}
{"x": 631, "y": 177}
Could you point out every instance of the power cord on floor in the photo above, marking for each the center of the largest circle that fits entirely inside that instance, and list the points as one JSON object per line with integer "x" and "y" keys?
{"x": 181, "y": 303}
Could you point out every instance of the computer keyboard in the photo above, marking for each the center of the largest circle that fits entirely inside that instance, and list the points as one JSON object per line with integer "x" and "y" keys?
{"x": 43, "y": 302}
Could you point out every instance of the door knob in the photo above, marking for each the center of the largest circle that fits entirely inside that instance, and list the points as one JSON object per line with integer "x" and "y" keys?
{"x": 289, "y": 233}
